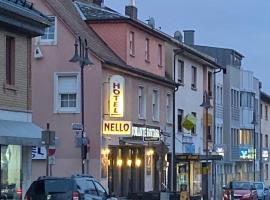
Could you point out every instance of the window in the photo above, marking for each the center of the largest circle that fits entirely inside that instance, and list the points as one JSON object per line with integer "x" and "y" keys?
{"x": 266, "y": 141}
{"x": 261, "y": 111}
{"x": 67, "y": 87}
{"x": 180, "y": 71}
{"x": 235, "y": 137}
{"x": 10, "y": 60}
{"x": 147, "y": 49}
{"x": 155, "y": 105}
{"x": 210, "y": 85}
{"x": 131, "y": 43}
{"x": 100, "y": 189}
{"x": 50, "y": 33}
{"x": 246, "y": 99}
{"x": 219, "y": 135}
{"x": 141, "y": 103}
{"x": 91, "y": 189}
{"x": 245, "y": 136}
{"x": 193, "y": 130}
{"x": 194, "y": 78}
{"x": 266, "y": 171}
{"x": 266, "y": 112}
{"x": 160, "y": 55}
{"x": 179, "y": 120}
{"x": 169, "y": 108}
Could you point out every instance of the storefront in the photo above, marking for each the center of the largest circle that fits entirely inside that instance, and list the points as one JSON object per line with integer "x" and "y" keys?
{"x": 16, "y": 141}
{"x": 191, "y": 173}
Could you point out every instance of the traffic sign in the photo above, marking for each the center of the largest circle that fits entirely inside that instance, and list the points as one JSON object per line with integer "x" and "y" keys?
{"x": 51, "y": 160}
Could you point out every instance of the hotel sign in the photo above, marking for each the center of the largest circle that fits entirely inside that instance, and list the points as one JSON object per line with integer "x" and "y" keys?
{"x": 149, "y": 134}
{"x": 116, "y": 127}
{"x": 117, "y": 85}
{"x": 247, "y": 153}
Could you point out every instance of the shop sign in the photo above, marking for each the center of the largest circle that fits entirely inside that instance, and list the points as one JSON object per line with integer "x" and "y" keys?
{"x": 116, "y": 127}
{"x": 39, "y": 153}
{"x": 246, "y": 153}
{"x": 149, "y": 134}
{"x": 220, "y": 151}
{"x": 265, "y": 155}
{"x": 117, "y": 84}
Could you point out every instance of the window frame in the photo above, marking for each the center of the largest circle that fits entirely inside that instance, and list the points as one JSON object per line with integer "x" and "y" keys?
{"x": 180, "y": 76}
{"x": 193, "y": 130}
{"x": 57, "y": 98}
{"x": 182, "y": 117}
{"x": 143, "y": 116}
{"x": 10, "y": 60}
{"x": 169, "y": 110}
{"x": 147, "y": 49}
{"x": 193, "y": 77}
{"x": 131, "y": 43}
{"x": 157, "y": 103}
{"x": 160, "y": 55}
{"x": 49, "y": 41}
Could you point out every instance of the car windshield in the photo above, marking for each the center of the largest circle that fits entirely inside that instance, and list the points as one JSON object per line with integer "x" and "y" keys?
{"x": 258, "y": 186}
{"x": 58, "y": 185}
{"x": 241, "y": 185}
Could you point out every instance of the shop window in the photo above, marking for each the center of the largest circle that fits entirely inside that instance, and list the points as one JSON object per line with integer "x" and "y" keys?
{"x": 11, "y": 167}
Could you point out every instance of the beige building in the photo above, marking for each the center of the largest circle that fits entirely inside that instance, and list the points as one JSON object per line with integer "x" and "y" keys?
{"x": 19, "y": 23}
{"x": 265, "y": 132}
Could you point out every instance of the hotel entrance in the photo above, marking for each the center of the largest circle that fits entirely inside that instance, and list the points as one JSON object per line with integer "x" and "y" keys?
{"x": 131, "y": 170}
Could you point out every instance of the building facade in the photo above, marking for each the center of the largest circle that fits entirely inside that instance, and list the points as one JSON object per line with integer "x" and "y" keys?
{"x": 265, "y": 102}
{"x": 128, "y": 98}
{"x": 17, "y": 132}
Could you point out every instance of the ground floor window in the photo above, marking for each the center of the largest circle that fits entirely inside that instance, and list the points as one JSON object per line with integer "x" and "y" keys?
{"x": 11, "y": 165}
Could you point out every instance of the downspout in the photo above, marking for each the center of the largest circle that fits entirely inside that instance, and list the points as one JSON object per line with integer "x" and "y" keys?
{"x": 173, "y": 158}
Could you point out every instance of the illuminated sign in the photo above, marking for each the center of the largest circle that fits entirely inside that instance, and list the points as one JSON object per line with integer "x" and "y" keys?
{"x": 148, "y": 133}
{"x": 116, "y": 127}
{"x": 265, "y": 155}
{"x": 220, "y": 151}
{"x": 247, "y": 153}
{"x": 117, "y": 84}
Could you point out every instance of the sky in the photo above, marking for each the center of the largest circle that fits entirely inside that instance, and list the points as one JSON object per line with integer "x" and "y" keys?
{"x": 242, "y": 25}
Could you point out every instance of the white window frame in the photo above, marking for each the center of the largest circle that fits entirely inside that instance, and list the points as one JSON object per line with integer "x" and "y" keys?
{"x": 57, "y": 103}
{"x": 169, "y": 106}
{"x": 155, "y": 118}
{"x": 194, "y": 74}
{"x": 143, "y": 95}
{"x": 131, "y": 43}
{"x": 181, "y": 71}
{"x": 49, "y": 41}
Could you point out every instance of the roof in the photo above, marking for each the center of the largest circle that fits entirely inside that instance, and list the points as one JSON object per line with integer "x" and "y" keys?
{"x": 20, "y": 15}
{"x": 68, "y": 13}
{"x": 265, "y": 97}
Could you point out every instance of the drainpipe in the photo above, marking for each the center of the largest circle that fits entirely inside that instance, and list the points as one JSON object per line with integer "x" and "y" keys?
{"x": 173, "y": 157}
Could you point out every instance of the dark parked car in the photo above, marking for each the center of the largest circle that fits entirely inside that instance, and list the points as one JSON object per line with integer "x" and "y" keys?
{"x": 69, "y": 188}
{"x": 241, "y": 190}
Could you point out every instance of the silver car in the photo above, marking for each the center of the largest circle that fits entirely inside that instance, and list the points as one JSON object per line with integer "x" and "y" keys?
{"x": 260, "y": 190}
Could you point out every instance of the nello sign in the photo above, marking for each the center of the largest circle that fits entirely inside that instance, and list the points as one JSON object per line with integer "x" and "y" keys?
{"x": 117, "y": 85}
{"x": 116, "y": 127}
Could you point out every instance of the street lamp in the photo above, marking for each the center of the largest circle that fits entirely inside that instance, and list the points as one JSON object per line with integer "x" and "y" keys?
{"x": 206, "y": 105}
{"x": 254, "y": 122}
{"x": 81, "y": 56}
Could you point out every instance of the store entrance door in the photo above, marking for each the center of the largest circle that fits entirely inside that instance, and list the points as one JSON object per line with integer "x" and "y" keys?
{"x": 126, "y": 170}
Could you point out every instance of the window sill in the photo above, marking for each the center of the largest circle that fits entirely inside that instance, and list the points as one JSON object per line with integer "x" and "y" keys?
{"x": 10, "y": 87}
{"x": 147, "y": 61}
{"x": 66, "y": 111}
{"x": 141, "y": 118}
{"x": 156, "y": 120}
{"x": 132, "y": 55}
{"x": 169, "y": 122}
{"x": 47, "y": 43}
{"x": 160, "y": 66}
{"x": 194, "y": 88}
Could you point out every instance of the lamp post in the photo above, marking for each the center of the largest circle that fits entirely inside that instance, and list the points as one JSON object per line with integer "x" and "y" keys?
{"x": 254, "y": 122}
{"x": 81, "y": 56}
{"x": 206, "y": 105}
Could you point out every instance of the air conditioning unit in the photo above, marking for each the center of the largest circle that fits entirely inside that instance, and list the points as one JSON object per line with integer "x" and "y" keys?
{"x": 37, "y": 53}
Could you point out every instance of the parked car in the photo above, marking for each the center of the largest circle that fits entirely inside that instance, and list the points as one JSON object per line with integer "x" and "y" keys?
{"x": 78, "y": 187}
{"x": 240, "y": 190}
{"x": 260, "y": 190}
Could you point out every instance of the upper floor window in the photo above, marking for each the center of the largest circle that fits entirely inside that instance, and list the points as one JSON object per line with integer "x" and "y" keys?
{"x": 180, "y": 71}
{"x": 266, "y": 141}
{"x": 141, "y": 102}
{"x": 50, "y": 33}
{"x": 261, "y": 111}
{"x": 155, "y": 105}
{"x": 246, "y": 99}
{"x": 219, "y": 95}
{"x": 179, "y": 120}
{"x": 245, "y": 136}
{"x": 169, "y": 114}
{"x": 160, "y": 55}
{"x": 194, "y": 77}
{"x": 67, "y": 92}
{"x": 147, "y": 49}
{"x": 193, "y": 130}
{"x": 266, "y": 112}
{"x": 234, "y": 98}
{"x": 131, "y": 43}
{"x": 10, "y": 60}
{"x": 210, "y": 83}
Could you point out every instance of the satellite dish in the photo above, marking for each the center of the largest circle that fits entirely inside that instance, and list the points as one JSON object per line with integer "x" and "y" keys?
{"x": 178, "y": 36}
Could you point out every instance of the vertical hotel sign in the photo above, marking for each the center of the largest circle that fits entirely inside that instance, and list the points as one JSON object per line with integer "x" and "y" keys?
{"x": 117, "y": 84}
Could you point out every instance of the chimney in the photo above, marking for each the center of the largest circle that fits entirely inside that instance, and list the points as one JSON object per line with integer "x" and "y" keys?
{"x": 189, "y": 37}
{"x": 99, "y": 2}
{"x": 131, "y": 10}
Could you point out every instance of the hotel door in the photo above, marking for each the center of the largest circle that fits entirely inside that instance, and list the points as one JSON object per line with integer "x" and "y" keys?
{"x": 126, "y": 170}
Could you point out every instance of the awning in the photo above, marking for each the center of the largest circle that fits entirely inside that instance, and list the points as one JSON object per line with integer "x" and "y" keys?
{"x": 19, "y": 133}
{"x": 197, "y": 157}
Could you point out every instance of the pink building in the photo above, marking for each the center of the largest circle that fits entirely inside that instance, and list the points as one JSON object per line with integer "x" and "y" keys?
{"x": 128, "y": 99}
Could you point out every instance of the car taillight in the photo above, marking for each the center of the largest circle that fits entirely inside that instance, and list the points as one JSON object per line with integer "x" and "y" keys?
{"x": 19, "y": 192}
{"x": 75, "y": 196}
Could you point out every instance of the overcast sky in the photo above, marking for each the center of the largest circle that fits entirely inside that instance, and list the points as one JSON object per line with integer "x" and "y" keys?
{"x": 243, "y": 25}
